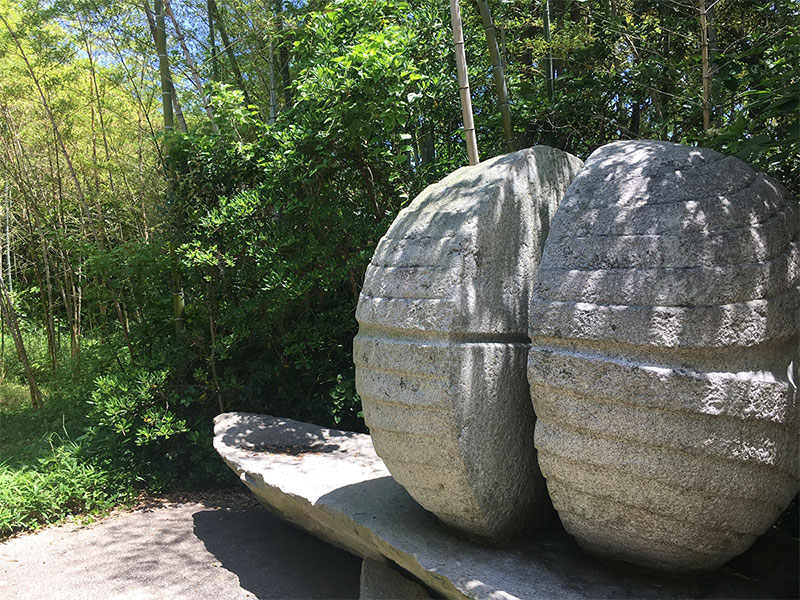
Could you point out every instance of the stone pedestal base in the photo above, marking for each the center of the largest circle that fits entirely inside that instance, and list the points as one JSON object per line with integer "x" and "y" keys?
{"x": 332, "y": 484}
{"x": 379, "y": 581}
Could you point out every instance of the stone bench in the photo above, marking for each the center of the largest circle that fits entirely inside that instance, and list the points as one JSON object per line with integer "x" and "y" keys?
{"x": 333, "y": 485}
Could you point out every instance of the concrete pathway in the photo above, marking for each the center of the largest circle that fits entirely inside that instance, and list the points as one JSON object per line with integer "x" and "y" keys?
{"x": 223, "y": 549}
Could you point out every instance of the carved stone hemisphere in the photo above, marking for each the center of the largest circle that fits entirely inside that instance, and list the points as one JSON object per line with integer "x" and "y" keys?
{"x": 664, "y": 359}
{"x": 442, "y": 343}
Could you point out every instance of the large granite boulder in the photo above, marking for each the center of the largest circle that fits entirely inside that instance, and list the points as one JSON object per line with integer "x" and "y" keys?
{"x": 664, "y": 358}
{"x": 441, "y": 348}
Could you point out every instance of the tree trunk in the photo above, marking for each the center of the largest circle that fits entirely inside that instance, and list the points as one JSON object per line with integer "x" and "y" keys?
{"x": 548, "y": 59}
{"x": 463, "y": 83}
{"x": 212, "y": 328}
{"x": 47, "y": 298}
{"x": 498, "y": 74}
{"x": 10, "y": 317}
{"x": 705, "y": 66}
{"x": 176, "y": 105}
{"x": 713, "y": 50}
{"x": 428, "y": 142}
{"x": 636, "y": 119}
{"x": 212, "y": 42}
{"x": 123, "y": 321}
{"x": 637, "y": 98}
{"x": 198, "y": 83}
{"x": 166, "y": 80}
{"x": 283, "y": 59}
{"x": 666, "y": 50}
{"x": 69, "y": 313}
{"x": 178, "y": 306}
{"x": 8, "y": 241}
{"x": 140, "y": 170}
{"x": 95, "y": 171}
{"x": 228, "y": 47}
{"x": 2, "y": 319}
{"x": 503, "y": 47}
{"x": 273, "y": 96}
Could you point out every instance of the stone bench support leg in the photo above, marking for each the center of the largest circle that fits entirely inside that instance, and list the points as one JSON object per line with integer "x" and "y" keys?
{"x": 380, "y": 581}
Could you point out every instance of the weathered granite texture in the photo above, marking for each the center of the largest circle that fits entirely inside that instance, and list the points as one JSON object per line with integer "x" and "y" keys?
{"x": 332, "y": 484}
{"x": 441, "y": 348}
{"x": 664, "y": 358}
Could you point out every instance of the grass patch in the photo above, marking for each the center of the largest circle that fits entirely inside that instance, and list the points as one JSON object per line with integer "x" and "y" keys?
{"x": 61, "y": 486}
{"x": 108, "y": 431}
{"x": 45, "y": 474}
{"x": 24, "y": 432}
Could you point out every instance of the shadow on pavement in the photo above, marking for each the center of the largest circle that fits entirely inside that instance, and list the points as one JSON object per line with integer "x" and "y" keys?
{"x": 273, "y": 559}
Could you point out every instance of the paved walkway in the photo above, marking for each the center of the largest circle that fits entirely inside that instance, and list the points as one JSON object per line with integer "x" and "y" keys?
{"x": 226, "y": 549}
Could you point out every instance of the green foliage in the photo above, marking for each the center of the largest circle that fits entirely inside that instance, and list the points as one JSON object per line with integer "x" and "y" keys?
{"x": 46, "y": 475}
{"x": 62, "y": 484}
{"x": 632, "y": 69}
{"x": 280, "y": 220}
{"x": 126, "y": 404}
{"x": 764, "y": 129}
{"x": 146, "y": 424}
{"x": 78, "y": 457}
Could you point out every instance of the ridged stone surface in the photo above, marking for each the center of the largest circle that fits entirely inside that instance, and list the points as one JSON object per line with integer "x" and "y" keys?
{"x": 441, "y": 348}
{"x": 664, "y": 357}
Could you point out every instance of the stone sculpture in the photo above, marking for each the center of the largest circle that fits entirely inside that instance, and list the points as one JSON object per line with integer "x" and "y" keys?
{"x": 664, "y": 359}
{"x": 441, "y": 349}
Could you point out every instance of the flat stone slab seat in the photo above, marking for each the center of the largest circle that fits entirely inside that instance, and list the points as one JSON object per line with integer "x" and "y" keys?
{"x": 332, "y": 484}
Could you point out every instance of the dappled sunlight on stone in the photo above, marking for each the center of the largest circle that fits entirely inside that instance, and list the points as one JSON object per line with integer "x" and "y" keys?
{"x": 372, "y": 516}
{"x": 660, "y": 352}
{"x": 442, "y": 342}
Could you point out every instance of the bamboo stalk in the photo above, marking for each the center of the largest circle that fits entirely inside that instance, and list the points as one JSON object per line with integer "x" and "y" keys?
{"x": 176, "y": 105}
{"x": 549, "y": 73}
{"x": 283, "y": 57}
{"x": 11, "y": 320}
{"x": 498, "y": 74}
{"x": 8, "y": 239}
{"x": 705, "y": 66}
{"x": 463, "y": 83}
{"x": 273, "y": 98}
{"x": 212, "y": 43}
{"x": 10, "y": 317}
{"x": 178, "y": 303}
{"x": 198, "y": 83}
{"x": 228, "y": 47}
